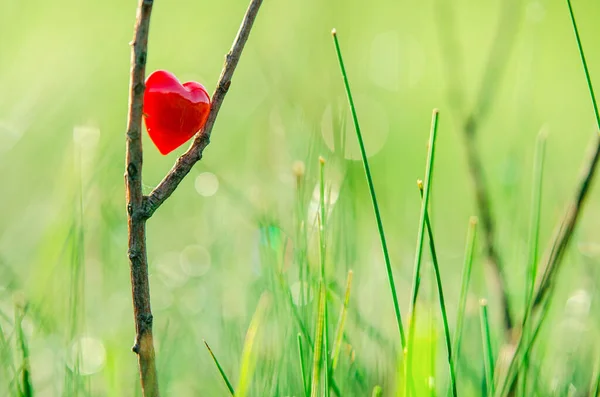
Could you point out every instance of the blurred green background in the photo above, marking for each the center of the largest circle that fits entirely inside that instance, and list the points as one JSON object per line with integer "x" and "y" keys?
{"x": 64, "y": 72}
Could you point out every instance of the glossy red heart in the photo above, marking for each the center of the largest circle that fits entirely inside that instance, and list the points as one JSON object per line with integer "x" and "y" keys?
{"x": 173, "y": 112}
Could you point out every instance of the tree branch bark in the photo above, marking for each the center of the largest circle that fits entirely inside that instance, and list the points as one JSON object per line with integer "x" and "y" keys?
{"x": 136, "y": 223}
{"x": 186, "y": 161}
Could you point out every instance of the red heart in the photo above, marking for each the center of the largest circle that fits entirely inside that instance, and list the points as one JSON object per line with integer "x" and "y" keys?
{"x": 173, "y": 112}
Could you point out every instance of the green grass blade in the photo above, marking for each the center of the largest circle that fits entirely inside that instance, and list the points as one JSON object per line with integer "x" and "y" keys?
{"x": 588, "y": 79}
{"x": 363, "y": 153}
{"x": 318, "y": 350}
{"x": 339, "y": 333}
{"x": 464, "y": 287}
{"x": 221, "y": 371}
{"x": 487, "y": 347}
{"x": 438, "y": 281}
{"x": 322, "y": 244}
{"x": 534, "y": 233}
{"x": 536, "y": 205}
{"x": 248, "y": 361}
{"x": 302, "y": 366}
{"x": 419, "y": 249}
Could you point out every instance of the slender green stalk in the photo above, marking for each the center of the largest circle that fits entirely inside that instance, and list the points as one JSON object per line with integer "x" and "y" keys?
{"x": 299, "y": 170}
{"x": 221, "y": 371}
{"x": 322, "y": 243}
{"x": 534, "y": 233}
{"x": 464, "y": 287}
{"x": 536, "y": 206}
{"x": 363, "y": 153}
{"x": 438, "y": 282}
{"x": 419, "y": 249}
{"x": 248, "y": 361}
{"x": 339, "y": 333}
{"x": 318, "y": 350}
{"x": 584, "y": 63}
{"x": 487, "y": 347}
{"x": 302, "y": 366}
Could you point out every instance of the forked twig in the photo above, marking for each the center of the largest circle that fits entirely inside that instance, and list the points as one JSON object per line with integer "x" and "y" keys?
{"x": 186, "y": 161}
{"x": 140, "y": 207}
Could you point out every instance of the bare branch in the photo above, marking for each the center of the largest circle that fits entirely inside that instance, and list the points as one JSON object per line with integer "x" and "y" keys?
{"x": 138, "y": 261}
{"x": 184, "y": 164}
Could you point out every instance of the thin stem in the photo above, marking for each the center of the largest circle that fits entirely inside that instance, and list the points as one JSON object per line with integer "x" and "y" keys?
{"x": 302, "y": 366}
{"x": 536, "y": 206}
{"x": 464, "y": 287}
{"x": 186, "y": 161}
{"x": 339, "y": 333}
{"x": 221, "y": 371}
{"x": 588, "y": 79}
{"x": 318, "y": 350}
{"x": 363, "y": 153}
{"x": 438, "y": 281}
{"x": 136, "y": 223}
{"x": 419, "y": 249}
{"x": 487, "y": 347}
{"x": 322, "y": 241}
{"x": 534, "y": 233}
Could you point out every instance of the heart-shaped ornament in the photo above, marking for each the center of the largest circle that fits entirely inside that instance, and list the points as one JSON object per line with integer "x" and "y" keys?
{"x": 173, "y": 112}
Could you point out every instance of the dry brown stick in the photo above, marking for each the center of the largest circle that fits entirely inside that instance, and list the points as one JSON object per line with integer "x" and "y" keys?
{"x": 184, "y": 164}
{"x": 136, "y": 223}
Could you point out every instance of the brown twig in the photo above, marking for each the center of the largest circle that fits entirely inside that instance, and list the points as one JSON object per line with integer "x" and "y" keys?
{"x": 184, "y": 164}
{"x": 140, "y": 207}
{"x": 472, "y": 121}
{"x": 136, "y": 223}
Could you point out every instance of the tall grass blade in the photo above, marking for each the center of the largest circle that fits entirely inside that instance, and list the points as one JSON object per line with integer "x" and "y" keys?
{"x": 488, "y": 357}
{"x": 302, "y": 366}
{"x": 363, "y": 153}
{"x": 464, "y": 287}
{"x": 534, "y": 233}
{"x": 322, "y": 244}
{"x": 339, "y": 333}
{"x": 318, "y": 350}
{"x": 221, "y": 371}
{"x": 419, "y": 249}
{"x": 438, "y": 282}
{"x": 248, "y": 361}
{"x": 588, "y": 79}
